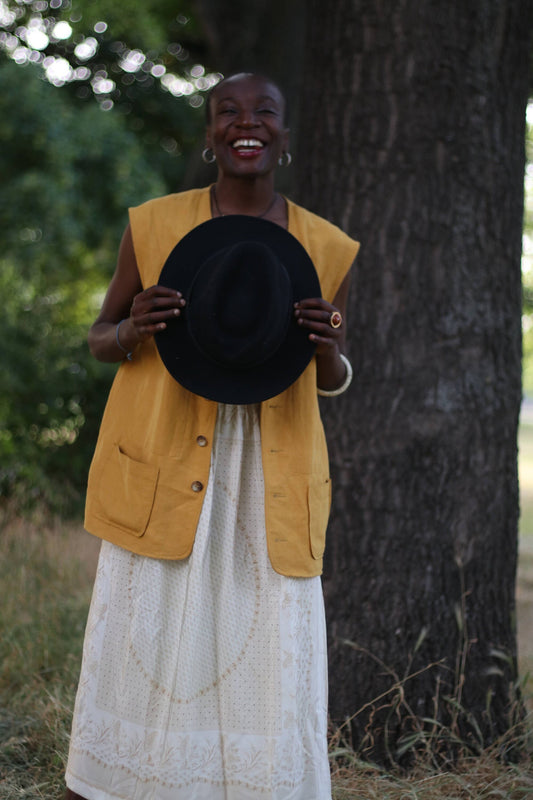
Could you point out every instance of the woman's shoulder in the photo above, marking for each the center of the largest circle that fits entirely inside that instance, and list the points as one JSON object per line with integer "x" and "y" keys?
{"x": 173, "y": 199}
{"x": 302, "y": 218}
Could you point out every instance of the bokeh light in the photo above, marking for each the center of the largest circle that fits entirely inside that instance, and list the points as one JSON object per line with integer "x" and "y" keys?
{"x": 86, "y": 49}
{"x": 29, "y": 42}
{"x": 37, "y": 39}
{"x": 103, "y": 85}
{"x": 58, "y": 71}
{"x": 7, "y": 15}
{"x": 132, "y": 61}
{"x": 62, "y": 30}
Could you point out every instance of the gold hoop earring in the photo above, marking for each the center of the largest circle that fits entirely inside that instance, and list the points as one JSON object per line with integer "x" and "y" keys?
{"x": 285, "y": 159}
{"x": 208, "y": 155}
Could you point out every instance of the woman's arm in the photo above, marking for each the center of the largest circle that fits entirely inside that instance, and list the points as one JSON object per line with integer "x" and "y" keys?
{"x": 315, "y": 314}
{"x": 144, "y": 312}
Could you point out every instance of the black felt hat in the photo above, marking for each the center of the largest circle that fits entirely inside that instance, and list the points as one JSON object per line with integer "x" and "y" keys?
{"x": 236, "y": 340}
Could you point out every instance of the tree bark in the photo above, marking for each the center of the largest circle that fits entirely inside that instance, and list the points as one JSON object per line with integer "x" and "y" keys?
{"x": 412, "y": 139}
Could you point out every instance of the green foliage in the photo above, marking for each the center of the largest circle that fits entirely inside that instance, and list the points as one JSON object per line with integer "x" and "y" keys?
{"x": 149, "y": 26}
{"x": 69, "y": 176}
{"x": 70, "y": 169}
{"x": 159, "y": 92}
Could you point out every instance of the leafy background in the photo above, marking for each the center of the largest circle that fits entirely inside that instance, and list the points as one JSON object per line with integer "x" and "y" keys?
{"x": 73, "y": 159}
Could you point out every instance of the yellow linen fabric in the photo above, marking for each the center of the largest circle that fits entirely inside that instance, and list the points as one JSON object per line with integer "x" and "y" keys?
{"x": 151, "y": 464}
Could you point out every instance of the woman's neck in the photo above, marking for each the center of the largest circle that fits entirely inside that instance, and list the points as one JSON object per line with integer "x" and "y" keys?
{"x": 253, "y": 196}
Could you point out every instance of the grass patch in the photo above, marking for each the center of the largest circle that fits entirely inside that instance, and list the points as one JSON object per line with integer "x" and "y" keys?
{"x": 482, "y": 778}
{"x": 46, "y": 575}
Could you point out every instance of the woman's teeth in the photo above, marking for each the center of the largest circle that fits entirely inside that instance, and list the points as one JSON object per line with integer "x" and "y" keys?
{"x": 245, "y": 143}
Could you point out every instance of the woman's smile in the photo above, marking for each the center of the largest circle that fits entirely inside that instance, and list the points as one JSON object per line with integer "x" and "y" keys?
{"x": 247, "y": 148}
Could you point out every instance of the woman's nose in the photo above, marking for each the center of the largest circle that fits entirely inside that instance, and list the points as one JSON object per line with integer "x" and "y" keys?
{"x": 247, "y": 118}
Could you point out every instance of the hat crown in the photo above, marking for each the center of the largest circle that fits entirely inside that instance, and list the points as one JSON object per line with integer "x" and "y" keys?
{"x": 236, "y": 288}
{"x": 239, "y": 306}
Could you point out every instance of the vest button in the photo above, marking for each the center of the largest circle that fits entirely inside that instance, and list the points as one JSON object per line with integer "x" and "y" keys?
{"x": 197, "y": 486}
{"x": 201, "y": 441}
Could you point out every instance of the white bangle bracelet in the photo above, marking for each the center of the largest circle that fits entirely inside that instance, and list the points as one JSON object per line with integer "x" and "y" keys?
{"x": 128, "y": 354}
{"x": 344, "y": 385}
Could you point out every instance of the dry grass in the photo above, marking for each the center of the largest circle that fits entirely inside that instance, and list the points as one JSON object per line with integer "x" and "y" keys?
{"x": 46, "y": 573}
{"x": 46, "y": 576}
{"x": 482, "y": 778}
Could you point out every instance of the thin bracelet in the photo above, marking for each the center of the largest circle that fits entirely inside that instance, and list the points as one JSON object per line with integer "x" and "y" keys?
{"x": 129, "y": 355}
{"x": 344, "y": 385}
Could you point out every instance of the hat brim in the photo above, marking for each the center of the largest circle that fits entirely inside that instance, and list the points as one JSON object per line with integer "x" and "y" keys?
{"x": 188, "y": 365}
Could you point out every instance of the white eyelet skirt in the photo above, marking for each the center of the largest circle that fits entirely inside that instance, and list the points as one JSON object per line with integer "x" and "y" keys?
{"x": 205, "y": 679}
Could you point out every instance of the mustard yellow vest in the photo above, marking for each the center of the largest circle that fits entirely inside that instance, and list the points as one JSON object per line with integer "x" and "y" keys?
{"x": 151, "y": 464}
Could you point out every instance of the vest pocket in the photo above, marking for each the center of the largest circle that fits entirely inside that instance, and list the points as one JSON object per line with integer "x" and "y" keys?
{"x": 319, "y": 502}
{"x": 126, "y": 491}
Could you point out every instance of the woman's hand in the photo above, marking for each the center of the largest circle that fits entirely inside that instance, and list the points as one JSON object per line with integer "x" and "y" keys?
{"x": 141, "y": 312}
{"x": 151, "y": 309}
{"x": 323, "y": 321}
{"x": 326, "y": 324}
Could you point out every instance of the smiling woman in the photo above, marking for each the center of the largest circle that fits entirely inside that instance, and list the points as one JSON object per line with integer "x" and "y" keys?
{"x": 247, "y": 135}
{"x": 204, "y": 669}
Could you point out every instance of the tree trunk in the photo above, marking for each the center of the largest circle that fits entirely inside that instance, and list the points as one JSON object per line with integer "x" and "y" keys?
{"x": 412, "y": 139}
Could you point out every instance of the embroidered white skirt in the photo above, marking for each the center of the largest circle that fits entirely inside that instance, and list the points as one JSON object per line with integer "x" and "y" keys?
{"x": 205, "y": 679}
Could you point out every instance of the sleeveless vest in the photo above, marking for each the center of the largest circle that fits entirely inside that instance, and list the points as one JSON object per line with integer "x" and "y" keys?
{"x": 151, "y": 464}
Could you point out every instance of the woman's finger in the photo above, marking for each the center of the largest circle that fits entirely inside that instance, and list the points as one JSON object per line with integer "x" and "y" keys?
{"x": 158, "y": 297}
{"x": 314, "y": 302}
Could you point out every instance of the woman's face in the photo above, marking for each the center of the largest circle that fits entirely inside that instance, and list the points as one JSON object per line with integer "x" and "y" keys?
{"x": 247, "y": 130}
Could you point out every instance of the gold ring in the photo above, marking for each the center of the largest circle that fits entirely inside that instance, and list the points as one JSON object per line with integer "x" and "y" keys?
{"x": 335, "y": 319}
